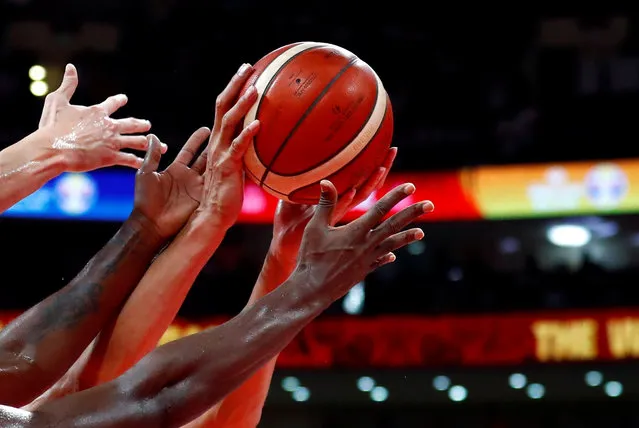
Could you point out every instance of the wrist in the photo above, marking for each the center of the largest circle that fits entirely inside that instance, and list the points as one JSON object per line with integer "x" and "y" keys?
{"x": 207, "y": 223}
{"x": 36, "y": 151}
{"x": 146, "y": 228}
{"x": 304, "y": 296}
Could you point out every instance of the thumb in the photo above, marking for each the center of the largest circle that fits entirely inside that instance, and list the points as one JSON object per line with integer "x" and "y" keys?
{"x": 328, "y": 199}
{"x": 69, "y": 82}
{"x": 153, "y": 155}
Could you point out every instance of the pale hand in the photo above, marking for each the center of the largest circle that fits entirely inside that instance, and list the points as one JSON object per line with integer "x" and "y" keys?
{"x": 87, "y": 138}
{"x": 168, "y": 198}
{"x": 223, "y": 191}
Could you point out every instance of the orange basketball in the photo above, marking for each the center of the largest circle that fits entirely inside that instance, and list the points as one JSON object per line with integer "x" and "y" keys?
{"x": 324, "y": 114}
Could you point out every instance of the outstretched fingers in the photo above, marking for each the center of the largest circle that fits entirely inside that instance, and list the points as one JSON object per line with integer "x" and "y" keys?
{"x": 384, "y": 206}
{"x": 229, "y": 95}
{"x": 398, "y": 240}
{"x": 192, "y": 146}
{"x": 402, "y": 219}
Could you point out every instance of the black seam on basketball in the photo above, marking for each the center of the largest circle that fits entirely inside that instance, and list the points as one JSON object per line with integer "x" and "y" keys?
{"x": 305, "y": 115}
{"x": 268, "y": 86}
{"x": 332, "y": 155}
{"x": 255, "y": 177}
{"x": 303, "y": 199}
{"x": 262, "y": 184}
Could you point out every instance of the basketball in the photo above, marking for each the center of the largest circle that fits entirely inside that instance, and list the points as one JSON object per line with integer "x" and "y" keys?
{"x": 324, "y": 114}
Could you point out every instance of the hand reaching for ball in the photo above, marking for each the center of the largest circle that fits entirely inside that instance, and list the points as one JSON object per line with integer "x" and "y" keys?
{"x": 87, "y": 137}
{"x": 291, "y": 219}
{"x": 223, "y": 190}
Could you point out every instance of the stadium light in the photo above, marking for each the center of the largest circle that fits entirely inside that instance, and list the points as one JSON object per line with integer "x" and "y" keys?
{"x": 569, "y": 235}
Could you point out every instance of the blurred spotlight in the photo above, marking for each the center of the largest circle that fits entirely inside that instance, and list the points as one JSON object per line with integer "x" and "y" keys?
{"x": 457, "y": 393}
{"x": 416, "y": 248}
{"x": 290, "y": 383}
{"x": 441, "y": 383}
{"x": 517, "y": 381}
{"x": 569, "y": 235}
{"x": 613, "y": 388}
{"x": 353, "y": 302}
{"x": 365, "y": 384}
{"x": 509, "y": 245}
{"x": 535, "y": 391}
{"x": 301, "y": 394}
{"x": 379, "y": 394}
{"x": 594, "y": 378}
{"x": 37, "y": 72}
{"x": 39, "y": 88}
{"x": 455, "y": 274}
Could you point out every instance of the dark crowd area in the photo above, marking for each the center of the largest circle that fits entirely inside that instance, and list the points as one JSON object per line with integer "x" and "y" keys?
{"x": 466, "y": 89}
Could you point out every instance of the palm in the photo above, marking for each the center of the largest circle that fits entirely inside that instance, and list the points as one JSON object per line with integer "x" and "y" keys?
{"x": 169, "y": 197}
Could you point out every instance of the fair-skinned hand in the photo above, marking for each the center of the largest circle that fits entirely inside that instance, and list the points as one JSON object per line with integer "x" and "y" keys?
{"x": 291, "y": 219}
{"x": 87, "y": 137}
{"x": 223, "y": 192}
{"x": 333, "y": 259}
{"x": 166, "y": 199}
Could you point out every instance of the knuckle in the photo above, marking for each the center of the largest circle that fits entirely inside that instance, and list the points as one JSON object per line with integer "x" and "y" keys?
{"x": 219, "y": 102}
{"x": 380, "y": 209}
{"x": 234, "y": 149}
{"x": 394, "y": 227}
{"x": 227, "y": 118}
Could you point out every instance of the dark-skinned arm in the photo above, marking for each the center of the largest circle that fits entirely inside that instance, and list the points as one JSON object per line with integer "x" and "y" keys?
{"x": 41, "y": 345}
{"x": 179, "y": 381}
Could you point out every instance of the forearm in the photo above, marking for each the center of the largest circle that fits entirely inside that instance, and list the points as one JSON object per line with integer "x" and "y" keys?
{"x": 67, "y": 384}
{"x": 152, "y": 306}
{"x": 201, "y": 369}
{"x": 53, "y": 334}
{"x": 26, "y": 166}
{"x": 243, "y": 407}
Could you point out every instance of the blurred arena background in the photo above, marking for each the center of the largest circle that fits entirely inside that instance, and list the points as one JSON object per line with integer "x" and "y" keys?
{"x": 519, "y": 309}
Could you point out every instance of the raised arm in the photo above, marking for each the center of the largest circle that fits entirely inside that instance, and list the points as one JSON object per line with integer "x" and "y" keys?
{"x": 180, "y": 380}
{"x": 243, "y": 407}
{"x": 70, "y": 138}
{"x": 41, "y": 345}
{"x": 156, "y": 300}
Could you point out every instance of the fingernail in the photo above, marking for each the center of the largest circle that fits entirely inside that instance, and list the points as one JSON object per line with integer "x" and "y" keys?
{"x": 409, "y": 189}
{"x": 419, "y": 235}
{"x": 67, "y": 68}
{"x": 253, "y": 126}
{"x": 243, "y": 70}
{"x": 392, "y": 258}
{"x": 428, "y": 206}
{"x": 324, "y": 185}
{"x": 164, "y": 146}
{"x": 251, "y": 91}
